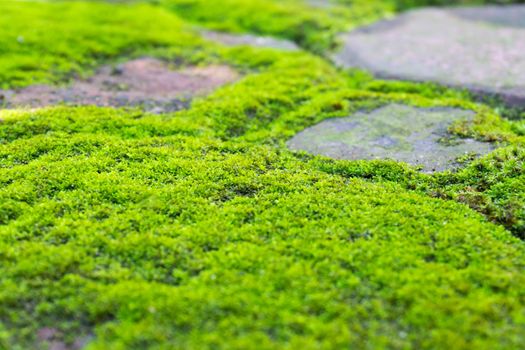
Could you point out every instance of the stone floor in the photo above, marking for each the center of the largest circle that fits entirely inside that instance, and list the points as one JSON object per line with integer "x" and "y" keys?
{"x": 229, "y": 39}
{"x": 481, "y": 49}
{"x": 146, "y": 82}
{"x": 407, "y": 134}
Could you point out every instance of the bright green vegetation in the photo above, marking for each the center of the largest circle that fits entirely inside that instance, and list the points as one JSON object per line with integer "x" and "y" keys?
{"x": 48, "y": 42}
{"x": 313, "y": 27}
{"x": 293, "y": 19}
{"x": 201, "y": 230}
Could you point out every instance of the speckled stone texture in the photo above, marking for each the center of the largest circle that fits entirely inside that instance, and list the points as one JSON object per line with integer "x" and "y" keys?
{"x": 482, "y": 49}
{"x": 407, "y": 134}
{"x": 320, "y": 3}
{"x": 148, "y": 83}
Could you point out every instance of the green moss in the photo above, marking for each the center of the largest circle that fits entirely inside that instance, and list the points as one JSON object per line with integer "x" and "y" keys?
{"x": 494, "y": 186}
{"x": 299, "y": 21}
{"x": 47, "y": 42}
{"x": 199, "y": 229}
{"x": 176, "y": 239}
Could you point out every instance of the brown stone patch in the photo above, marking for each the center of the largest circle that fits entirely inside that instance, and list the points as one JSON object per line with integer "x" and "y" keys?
{"x": 146, "y": 82}
{"x": 52, "y": 339}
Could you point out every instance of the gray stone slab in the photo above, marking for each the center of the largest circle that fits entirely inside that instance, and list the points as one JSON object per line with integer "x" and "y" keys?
{"x": 509, "y": 16}
{"x": 482, "y": 49}
{"x": 229, "y": 39}
{"x": 407, "y": 134}
{"x": 324, "y": 4}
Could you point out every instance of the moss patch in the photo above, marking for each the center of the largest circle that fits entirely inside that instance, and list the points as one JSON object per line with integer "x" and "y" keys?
{"x": 200, "y": 229}
{"x": 48, "y": 42}
{"x": 177, "y": 238}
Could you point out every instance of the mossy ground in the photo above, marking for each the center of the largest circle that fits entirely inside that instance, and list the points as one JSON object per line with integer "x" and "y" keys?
{"x": 199, "y": 229}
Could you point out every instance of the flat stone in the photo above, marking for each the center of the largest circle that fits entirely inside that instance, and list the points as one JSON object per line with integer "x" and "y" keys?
{"x": 228, "y": 39}
{"x": 417, "y": 136}
{"x": 324, "y": 4}
{"x": 509, "y": 16}
{"x": 146, "y": 82}
{"x": 481, "y": 49}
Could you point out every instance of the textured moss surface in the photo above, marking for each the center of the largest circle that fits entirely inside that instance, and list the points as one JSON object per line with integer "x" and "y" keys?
{"x": 200, "y": 229}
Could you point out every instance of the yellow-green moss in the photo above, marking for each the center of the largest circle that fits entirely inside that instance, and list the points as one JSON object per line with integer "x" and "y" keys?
{"x": 201, "y": 230}
{"x": 43, "y": 42}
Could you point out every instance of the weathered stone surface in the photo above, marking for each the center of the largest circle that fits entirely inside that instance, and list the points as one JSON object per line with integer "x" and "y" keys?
{"x": 482, "y": 49}
{"x": 320, "y": 3}
{"x": 146, "y": 82}
{"x": 228, "y": 39}
{"x": 510, "y": 15}
{"x": 413, "y": 135}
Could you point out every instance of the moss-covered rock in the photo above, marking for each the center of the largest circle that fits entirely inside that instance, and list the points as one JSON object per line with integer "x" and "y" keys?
{"x": 412, "y": 135}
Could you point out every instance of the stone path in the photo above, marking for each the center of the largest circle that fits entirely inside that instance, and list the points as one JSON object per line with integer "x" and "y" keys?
{"x": 146, "y": 82}
{"x": 324, "y": 4}
{"x": 407, "y": 134}
{"x": 482, "y": 49}
{"x": 229, "y": 39}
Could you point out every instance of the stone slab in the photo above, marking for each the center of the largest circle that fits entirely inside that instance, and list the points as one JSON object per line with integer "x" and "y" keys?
{"x": 229, "y": 39}
{"x": 407, "y": 134}
{"x": 144, "y": 82}
{"x": 323, "y": 4}
{"x": 481, "y": 49}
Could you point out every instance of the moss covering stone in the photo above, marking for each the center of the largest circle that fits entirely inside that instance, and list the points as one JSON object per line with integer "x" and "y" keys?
{"x": 416, "y": 136}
